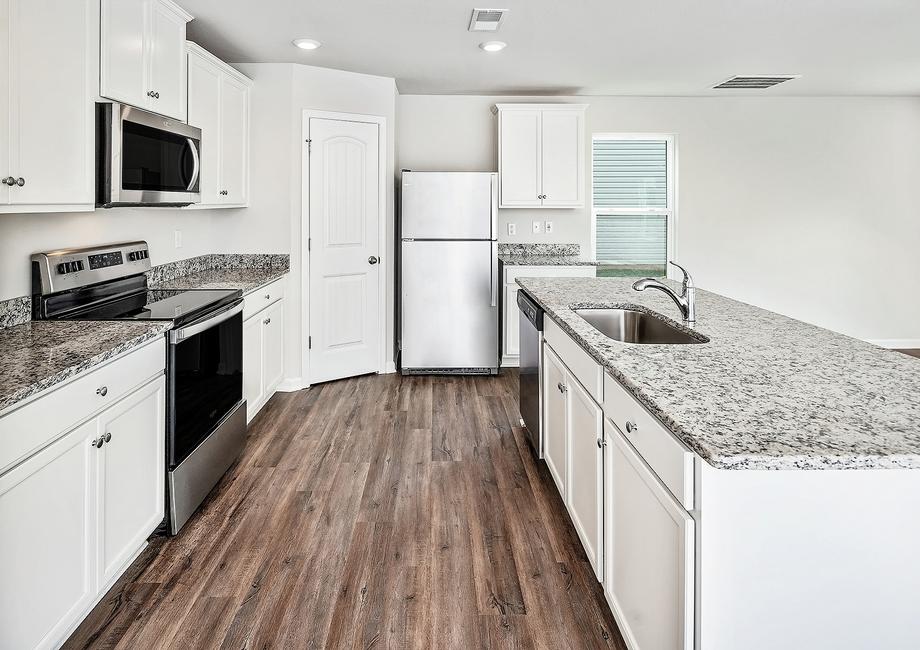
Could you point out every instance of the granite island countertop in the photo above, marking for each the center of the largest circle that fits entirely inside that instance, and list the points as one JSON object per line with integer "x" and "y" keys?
{"x": 245, "y": 279}
{"x": 546, "y": 260}
{"x": 766, "y": 392}
{"x": 40, "y": 354}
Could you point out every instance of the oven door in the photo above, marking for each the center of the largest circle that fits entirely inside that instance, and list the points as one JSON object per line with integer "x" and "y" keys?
{"x": 205, "y": 368}
{"x": 147, "y": 159}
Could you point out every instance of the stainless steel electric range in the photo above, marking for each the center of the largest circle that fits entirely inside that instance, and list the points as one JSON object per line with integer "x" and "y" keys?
{"x": 206, "y": 412}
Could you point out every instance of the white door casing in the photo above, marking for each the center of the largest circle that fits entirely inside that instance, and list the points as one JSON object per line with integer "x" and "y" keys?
{"x": 345, "y": 213}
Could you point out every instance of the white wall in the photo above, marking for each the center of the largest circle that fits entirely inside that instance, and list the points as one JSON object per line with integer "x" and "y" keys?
{"x": 805, "y": 206}
{"x": 284, "y": 91}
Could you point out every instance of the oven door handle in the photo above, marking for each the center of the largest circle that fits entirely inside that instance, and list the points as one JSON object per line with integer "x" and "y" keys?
{"x": 197, "y": 164}
{"x": 179, "y": 335}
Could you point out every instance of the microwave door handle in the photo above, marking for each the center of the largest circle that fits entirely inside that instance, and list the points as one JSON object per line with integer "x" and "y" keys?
{"x": 196, "y": 162}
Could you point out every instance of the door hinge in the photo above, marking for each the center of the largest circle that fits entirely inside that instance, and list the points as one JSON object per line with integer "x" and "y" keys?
{"x": 309, "y": 342}
{"x": 309, "y": 145}
{"x": 309, "y": 243}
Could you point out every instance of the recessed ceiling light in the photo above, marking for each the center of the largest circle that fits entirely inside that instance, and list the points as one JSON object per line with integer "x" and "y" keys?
{"x": 493, "y": 46}
{"x": 306, "y": 43}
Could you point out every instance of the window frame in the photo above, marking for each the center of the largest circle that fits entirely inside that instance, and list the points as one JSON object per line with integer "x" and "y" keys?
{"x": 670, "y": 212}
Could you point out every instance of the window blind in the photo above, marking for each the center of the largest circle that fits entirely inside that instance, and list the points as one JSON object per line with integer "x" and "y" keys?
{"x": 632, "y": 239}
{"x": 630, "y": 173}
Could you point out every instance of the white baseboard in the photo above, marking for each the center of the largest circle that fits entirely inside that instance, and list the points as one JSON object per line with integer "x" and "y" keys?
{"x": 896, "y": 344}
{"x": 511, "y": 362}
{"x": 292, "y": 384}
{"x": 390, "y": 368}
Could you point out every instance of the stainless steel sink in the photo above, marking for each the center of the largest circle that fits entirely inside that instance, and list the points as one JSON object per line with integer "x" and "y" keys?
{"x": 634, "y": 326}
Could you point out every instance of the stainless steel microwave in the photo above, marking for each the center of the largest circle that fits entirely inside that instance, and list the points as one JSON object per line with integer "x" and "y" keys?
{"x": 145, "y": 159}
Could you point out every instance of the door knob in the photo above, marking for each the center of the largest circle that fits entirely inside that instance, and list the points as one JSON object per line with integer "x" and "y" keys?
{"x": 372, "y": 259}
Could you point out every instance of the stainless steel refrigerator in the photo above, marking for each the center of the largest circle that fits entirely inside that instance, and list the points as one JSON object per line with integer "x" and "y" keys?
{"x": 449, "y": 289}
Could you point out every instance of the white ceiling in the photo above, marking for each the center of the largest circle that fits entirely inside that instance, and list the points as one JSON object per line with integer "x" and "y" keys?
{"x": 586, "y": 47}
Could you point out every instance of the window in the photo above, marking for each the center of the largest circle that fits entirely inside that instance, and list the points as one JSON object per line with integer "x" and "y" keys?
{"x": 633, "y": 203}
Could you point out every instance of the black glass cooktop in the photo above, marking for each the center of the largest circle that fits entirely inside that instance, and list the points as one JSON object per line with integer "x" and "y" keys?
{"x": 178, "y": 305}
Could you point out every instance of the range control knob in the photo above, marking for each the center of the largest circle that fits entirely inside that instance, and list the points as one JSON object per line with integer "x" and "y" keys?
{"x": 62, "y": 268}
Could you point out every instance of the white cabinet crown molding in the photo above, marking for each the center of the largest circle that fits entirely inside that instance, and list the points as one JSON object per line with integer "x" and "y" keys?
{"x": 194, "y": 48}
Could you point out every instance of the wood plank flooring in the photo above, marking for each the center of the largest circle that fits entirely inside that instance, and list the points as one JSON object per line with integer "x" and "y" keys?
{"x": 379, "y": 511}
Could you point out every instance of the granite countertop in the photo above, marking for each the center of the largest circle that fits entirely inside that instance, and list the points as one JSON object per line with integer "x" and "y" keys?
{"x": 767, "y": 391}
{"x": 546, "y": 260}
{"x": 41, "y": 354}
{"x": 246, "y": 279}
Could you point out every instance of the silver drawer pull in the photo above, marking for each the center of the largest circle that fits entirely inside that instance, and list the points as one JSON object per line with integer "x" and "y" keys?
{"x": 102, "y": 391}
{"x": 631, "y": 427}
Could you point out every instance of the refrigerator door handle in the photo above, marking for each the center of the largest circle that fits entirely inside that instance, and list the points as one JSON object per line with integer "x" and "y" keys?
{"x": 494, "y": 207}
{"x": 493, "y": 264}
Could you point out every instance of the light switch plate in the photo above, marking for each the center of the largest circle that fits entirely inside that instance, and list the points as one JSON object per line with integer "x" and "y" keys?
{"x": 548, "y": 227}
{"x": 512, "y": 229}
{"x": 178, "y": 235}
{"x": 537, "y": 227}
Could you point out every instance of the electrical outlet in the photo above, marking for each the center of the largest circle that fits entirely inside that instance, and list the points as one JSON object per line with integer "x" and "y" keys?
{"x": 178, "y": 234}
{"x": 512, "y": 229}
{"x": 548, "y": 227}
{"x": 537, "y": 227}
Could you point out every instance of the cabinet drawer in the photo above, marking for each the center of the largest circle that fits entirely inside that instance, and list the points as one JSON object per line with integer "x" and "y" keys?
{"x": 668, "y": 458}
{"x": 514, "y": 272}
{"x": 31, "y": 427}
{"x": 259, "y": 299}
{"x": 586, "y": 369}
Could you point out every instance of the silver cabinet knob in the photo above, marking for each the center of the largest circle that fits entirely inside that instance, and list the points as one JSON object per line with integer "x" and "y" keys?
{"x": 268, "y": 296}
{"x": 20, "y": 181}
{"x": 9, "y": 180}
{"x": 601, "y": 443}
{"x": 631, "y": 427}
{"x": 267, "y": 321}
{"x": 373, "y": 259}
{"x": 561, "y": 387}
{"x": 97, "y": 443}
{"x": 149, "y": 93}
{"x": 102, "y": 391}
{"x": 107, "y": 437}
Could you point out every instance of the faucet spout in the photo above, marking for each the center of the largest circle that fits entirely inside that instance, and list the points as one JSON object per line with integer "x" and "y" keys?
{"x": 685, "y": 300}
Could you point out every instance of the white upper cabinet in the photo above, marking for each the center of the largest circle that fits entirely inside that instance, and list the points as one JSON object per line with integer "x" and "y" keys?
{"x": 46, "y": 106}
{"x": 143, "y": 55}
{"x": 541, "y": 155}
{"x": 218, "y": 104}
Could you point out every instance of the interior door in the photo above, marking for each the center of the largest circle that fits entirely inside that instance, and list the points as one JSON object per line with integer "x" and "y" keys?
{"x": 234, "y": 120}
{"x": 345, "y": 299}
{"x": 132, "y": 477}
{"x": 51, "y": 141}
{"x": 204, "y": 112}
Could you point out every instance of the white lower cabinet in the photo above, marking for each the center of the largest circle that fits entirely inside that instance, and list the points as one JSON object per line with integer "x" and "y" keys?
{"x": 586, "y": 470}
{"x": 649, "y": 576}
{"x": 263, "y": 350}
{"x": 555, "y": 443}
{"x": 77, "y": 512}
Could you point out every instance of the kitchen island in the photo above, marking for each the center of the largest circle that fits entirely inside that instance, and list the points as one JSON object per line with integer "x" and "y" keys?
{"x": 754, "y": 491}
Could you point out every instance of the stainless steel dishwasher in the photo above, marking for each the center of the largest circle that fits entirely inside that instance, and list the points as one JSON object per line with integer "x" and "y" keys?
{"x": 531, "y": 330}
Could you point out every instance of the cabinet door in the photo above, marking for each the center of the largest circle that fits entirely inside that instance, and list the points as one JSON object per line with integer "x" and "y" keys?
{"x": 649, "y": 580}
{"x": 234, "y": 147}
{"x": 555, "y": 445}
{"x": 51, "y": 107}
{"x": 167, "y": 64}
{"x": 46, "y": 560}
{"x": 131, "y": 476}
{"x": 5, "y": 168}
{"x": 586, "y": 485}
{"x": 204, "y": 81}
{"x": 123, "y": 74}
{"x": 511, "y": 345}
{"x": 562, "y": 162}
{"x": 521, "y": 163}
{"x": 253, "y": 365}
{"x": 273, "y": 346}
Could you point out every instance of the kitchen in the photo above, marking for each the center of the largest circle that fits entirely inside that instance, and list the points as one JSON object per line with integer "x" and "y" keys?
{"x": 240, "y": 408}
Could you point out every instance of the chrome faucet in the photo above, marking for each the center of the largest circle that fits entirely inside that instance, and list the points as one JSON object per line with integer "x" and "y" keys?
{"x": 686, "y": 301}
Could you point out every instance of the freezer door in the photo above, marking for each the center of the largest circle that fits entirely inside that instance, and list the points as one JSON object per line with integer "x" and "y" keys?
{"x": 449, "y": 205}
{"x": 449, "y": 305}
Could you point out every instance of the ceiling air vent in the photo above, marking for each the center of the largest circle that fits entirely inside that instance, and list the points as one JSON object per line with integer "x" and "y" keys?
{"x": 487, "y": 20}
{"x": 755, "y": 82}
